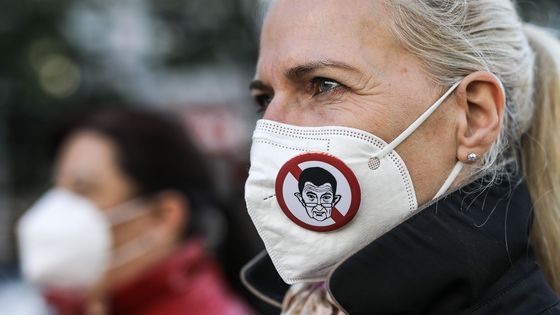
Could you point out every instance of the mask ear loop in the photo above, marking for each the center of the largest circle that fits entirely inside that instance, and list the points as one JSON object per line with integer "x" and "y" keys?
{"x": 450, "y": 179}
{"x": 137, "y": 247}
{"x": 405, "y": 134}
{"x": 419, "y": 121}
{"x": 133, "y": 249}
{"x": 126, "y": 212}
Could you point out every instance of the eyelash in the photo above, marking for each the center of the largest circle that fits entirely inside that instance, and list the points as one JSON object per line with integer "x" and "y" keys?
{"x": 263, "y": 100}
{"x": 316, "y": 86}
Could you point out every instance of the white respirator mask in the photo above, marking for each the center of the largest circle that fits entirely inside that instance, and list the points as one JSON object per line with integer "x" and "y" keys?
{"x": 66, "y": 241}
{"x": 318, "y": 194}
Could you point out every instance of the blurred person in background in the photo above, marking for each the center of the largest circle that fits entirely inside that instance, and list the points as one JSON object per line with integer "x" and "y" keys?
{"x": 123, "y": 229}
{"x": 436, "y": 125}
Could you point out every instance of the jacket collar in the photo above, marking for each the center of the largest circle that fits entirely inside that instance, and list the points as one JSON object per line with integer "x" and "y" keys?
{"x": 457, "y": 254}
{"x": 177, "y": 274}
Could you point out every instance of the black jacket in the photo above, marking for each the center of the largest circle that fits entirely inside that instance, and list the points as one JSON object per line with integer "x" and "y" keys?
{"x": 468, "y": 253}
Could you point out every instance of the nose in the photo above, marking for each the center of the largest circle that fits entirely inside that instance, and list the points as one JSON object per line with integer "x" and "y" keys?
{"x": 319, "y": 207}
{"x": 286, "y": 107}
{"x": 276, "y": 110}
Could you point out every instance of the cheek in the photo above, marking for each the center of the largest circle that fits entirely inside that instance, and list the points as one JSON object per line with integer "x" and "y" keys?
{"x": 430, "y": 153}
{"x": 437, "y": 136}
{"x": 382, "y": 116}
{"x": 129, "y": 231}
{"x": 114, "y": 189}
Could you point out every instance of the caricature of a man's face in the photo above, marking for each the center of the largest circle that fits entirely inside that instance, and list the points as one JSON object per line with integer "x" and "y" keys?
{"x": 318, "y": 200}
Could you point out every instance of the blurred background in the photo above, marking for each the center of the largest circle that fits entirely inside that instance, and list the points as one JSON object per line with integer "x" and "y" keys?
{"x": 60, "y": 58}
{"x": 193, "y": 58}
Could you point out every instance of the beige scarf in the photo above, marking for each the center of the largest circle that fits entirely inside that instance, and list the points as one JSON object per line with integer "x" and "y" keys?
{"x": 309, "y": 299}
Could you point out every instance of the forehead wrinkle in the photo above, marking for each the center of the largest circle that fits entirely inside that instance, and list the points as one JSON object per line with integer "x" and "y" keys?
{"x": 300, "y": 37}
{"x": 320, "y": 189}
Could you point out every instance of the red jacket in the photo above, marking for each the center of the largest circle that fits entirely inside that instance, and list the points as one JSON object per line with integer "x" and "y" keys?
{"x": 188, "y": 282}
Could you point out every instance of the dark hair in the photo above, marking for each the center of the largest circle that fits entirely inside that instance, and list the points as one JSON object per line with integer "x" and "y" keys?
{"x": 316, "y": 176}
{"x": 154, "y": 151}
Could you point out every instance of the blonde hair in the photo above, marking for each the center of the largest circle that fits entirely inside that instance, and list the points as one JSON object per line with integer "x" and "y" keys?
{"x": 457, "y": 37}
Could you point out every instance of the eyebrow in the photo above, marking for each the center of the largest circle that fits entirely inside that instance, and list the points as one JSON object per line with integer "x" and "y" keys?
{"x": 297, "y": 72}
{"x": 258, "y": 85}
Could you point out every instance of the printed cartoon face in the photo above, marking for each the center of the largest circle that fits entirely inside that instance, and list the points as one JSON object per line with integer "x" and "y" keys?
{"x": 317, "y": 193}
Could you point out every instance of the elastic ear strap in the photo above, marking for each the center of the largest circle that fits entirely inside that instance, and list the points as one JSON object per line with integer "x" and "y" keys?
{"x": 405, "y": 134}
{"x": 133, "y": 249}
{"x": 126, "y": 212}
{"x": 450, "y": 179}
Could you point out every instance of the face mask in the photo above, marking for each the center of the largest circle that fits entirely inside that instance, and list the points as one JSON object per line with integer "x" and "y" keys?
{"x": 65, "y": 240}
{"x": 318, "y": 194}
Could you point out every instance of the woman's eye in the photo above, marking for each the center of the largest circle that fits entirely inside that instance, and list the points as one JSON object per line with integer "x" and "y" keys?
{"x": 323, "y": 85}
{"x": 262, "y": 101}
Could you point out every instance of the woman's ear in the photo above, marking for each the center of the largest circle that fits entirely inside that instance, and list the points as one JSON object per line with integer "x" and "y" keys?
{"x": 173, "y": 212}
{"x": 481, "y": 98}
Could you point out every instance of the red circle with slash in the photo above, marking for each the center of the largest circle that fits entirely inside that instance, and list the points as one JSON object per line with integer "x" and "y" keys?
{"x": 346, "y": 198}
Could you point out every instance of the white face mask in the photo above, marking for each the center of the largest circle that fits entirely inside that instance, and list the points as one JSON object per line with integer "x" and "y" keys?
{"x": 318, "y": 194}
{"x": 66, "y": 241}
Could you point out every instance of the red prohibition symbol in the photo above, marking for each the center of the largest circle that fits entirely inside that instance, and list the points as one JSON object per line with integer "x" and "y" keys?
{"x": 318, "y": 192}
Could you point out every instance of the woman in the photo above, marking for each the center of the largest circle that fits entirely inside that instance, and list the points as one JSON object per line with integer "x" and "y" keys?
{"x": 123, "y": 230}
{"x": 403, "y": 148}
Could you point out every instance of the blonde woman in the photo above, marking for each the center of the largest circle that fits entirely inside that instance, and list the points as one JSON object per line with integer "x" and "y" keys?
{"x": 408, "y": 159}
